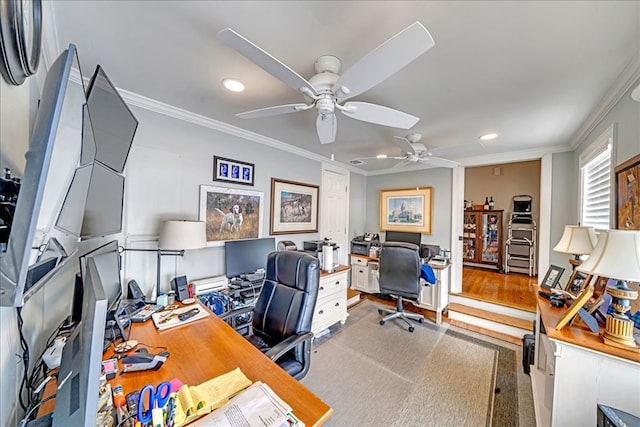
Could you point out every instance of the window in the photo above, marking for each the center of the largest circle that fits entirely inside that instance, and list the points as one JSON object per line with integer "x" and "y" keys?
{"x": 595, "y": 182}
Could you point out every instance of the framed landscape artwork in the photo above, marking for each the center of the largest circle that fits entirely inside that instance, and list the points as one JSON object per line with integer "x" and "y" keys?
{"x": 407, "y": 209}
{"x": 294, "y": 207}
{"x": 627, "y": 193}
{"x": 230, "y": 214}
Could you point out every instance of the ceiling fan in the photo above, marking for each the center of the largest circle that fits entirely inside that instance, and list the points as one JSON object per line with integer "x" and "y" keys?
{"x": 327, "y": 90}
{"x": 412, "y": 152}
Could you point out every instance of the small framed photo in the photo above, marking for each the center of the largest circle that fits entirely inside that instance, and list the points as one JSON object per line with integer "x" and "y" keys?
{"x": 234, "y": 171}
{"x": 573, "y": 309}
{"x": 552, "y": 277}
{"x": 577, "y": 282}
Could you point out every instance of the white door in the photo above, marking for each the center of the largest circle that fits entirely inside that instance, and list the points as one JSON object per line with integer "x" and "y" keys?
{"x": 334, "y": 203}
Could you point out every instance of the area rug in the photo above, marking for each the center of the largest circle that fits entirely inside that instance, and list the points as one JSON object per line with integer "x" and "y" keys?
{"x": 373, "y": 375}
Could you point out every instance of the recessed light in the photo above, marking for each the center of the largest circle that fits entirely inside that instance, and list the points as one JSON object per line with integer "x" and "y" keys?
{"x": 381, "y": 156}
{"x": 233, "y": 85}
{"x": 488, "y": 136}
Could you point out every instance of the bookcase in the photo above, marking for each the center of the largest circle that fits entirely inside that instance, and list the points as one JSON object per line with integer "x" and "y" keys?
{"x": 482, "y": 238}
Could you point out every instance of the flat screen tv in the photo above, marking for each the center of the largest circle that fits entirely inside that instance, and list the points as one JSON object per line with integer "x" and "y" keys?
{"x": 107, "y": 262}
{"x": 53, "y": 155}
{"x": 81, "y": 362}
{"x": 247, "y": 256}
{"x": 401, "y": 236}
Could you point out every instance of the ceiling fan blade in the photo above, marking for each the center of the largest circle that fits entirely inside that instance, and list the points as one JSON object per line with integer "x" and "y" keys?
{"x": 405, "y": 145}
{"x": 384, "y": 61}
{"x": 273, "y": 111}
{"x": 401, "y": 164}
{"x": 379, "y": 114}
{"x": 326, "y": 125}
{"x": 264, "y": 60}
{"x": 439, "y": 162}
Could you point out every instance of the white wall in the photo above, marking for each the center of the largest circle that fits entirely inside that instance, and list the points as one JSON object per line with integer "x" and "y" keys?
{"x": 440, "y": 179}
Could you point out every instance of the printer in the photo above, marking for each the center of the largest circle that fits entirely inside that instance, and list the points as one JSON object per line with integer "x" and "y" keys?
{"x": 361, "y": 245}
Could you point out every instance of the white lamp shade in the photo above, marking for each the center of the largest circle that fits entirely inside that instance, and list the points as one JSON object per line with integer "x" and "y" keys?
{"x": 179, "y": 235}
{"x": 577, "y": 240}
{"x": 616, "y": 256}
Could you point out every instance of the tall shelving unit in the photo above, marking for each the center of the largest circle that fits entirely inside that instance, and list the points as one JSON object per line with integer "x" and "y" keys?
{"x": 521, "y": 244}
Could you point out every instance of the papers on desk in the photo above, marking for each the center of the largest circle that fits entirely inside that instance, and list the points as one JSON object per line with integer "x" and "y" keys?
{"x": 172, "y": 318}
{"x": 258, "y": 405}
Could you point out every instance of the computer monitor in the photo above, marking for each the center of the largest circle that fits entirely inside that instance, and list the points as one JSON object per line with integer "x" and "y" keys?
{"x": 107, "y": 260}
{"x": 401, "y": 236}
{"x": 247, "y": 256}
{"x": 81, "y": 362}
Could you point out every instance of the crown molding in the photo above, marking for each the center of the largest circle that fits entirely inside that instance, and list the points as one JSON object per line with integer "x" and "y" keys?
{"x": 627, "y": 79}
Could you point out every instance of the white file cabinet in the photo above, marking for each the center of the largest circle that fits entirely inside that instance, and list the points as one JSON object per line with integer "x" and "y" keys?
{"x": 435, "y": 297}
{"x": 364, "y": 274}
{"x": 331, "y": 306}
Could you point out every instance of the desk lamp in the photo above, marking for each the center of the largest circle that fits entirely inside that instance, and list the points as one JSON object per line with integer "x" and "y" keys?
{"x": 617, "y": 256}
{"x": 178, "y": 236}
{"x": 577, "y": 240}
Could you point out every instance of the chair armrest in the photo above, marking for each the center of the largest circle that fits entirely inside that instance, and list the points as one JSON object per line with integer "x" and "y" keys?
{"x": 233, "y": 313}
{"x": 282, "y": 347}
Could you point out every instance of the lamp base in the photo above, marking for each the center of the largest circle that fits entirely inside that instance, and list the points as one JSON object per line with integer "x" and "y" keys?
{"x": 619, "y": 333}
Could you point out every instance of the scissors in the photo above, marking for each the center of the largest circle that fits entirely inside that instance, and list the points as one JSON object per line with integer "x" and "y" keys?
{"x": 157, "y": 398}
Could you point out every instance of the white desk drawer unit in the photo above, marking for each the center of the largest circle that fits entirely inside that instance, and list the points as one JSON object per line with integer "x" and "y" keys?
{"x": 331, "y": 306}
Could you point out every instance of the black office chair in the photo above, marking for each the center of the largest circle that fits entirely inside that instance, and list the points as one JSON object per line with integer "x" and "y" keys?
{"x": 400, "y": 276}
{"x": 282, "y": 314}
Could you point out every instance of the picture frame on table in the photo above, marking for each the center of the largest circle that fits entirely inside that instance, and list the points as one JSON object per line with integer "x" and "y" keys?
{"x": 294, "y": 207}
{"x": 234, "y": 171}
{"x": 406, "y": 210}
{"x": 575, "y": 306}
{"x": 552, "y": 277}
{"x": 576, "y": 283}
{"x": 627, "y": 194}
{"x": 230, "y": 214}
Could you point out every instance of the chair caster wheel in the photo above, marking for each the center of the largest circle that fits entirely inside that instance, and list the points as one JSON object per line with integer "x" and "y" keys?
{"x": 420, "y": 320}
{"x": 380, "y": 311}
{"x": 411, "y": 329}
{"x": 382, "y": 322}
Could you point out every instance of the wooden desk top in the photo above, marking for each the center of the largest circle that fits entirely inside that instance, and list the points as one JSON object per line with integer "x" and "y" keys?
{"x": 578, "y": 334}
{"x": 209, "y": 347}
{"x": 338, "y": 269}
{"x": 434, "y": 266}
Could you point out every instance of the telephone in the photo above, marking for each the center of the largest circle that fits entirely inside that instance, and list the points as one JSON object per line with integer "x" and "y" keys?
{"x": 134, "y": 291}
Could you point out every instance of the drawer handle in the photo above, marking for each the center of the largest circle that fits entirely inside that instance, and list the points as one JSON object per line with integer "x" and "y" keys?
{"x": 321, "y": 311}
{"x": 337, "y": 304}
{"x": 322, "y": 288}
{"x": 337, "y": 282}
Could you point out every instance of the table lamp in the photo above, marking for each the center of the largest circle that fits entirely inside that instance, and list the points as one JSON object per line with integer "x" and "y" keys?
{"x": 617, "y": 256}
{"x": 177, "y": 236}
{"x": 577, "y": 240}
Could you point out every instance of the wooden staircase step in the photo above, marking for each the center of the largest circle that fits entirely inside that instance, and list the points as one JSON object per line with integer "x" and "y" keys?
{"x": 493, "y": 317}
{"x": 353, "y": 297}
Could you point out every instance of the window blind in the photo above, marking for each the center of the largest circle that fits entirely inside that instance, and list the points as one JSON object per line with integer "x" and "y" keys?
{"x": 596, "y": 190}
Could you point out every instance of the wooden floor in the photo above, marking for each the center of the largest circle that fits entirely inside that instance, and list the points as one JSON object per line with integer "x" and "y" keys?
{"x": 513, "y": 289}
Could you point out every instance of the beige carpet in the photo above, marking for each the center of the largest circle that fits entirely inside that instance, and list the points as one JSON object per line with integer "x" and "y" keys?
{"x": 373, "y": 375}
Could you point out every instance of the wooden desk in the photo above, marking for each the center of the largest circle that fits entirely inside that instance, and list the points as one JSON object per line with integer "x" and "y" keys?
{"x": 206, "y": 348}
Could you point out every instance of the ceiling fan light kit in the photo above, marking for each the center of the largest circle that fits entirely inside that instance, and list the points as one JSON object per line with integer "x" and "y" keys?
{"x": 328, "y": 90}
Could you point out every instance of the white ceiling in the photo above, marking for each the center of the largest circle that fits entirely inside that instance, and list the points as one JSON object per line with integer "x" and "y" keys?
{"x": 531, "y": 71}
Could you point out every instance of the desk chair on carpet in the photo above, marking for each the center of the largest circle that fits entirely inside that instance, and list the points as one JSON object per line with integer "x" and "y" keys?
{"x": 400, "y": 276}
{"x": 281, "y": 317}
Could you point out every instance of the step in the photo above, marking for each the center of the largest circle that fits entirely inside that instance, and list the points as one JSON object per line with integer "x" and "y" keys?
{"x": 353, "y": 297}
{"x": 500, "y": 325}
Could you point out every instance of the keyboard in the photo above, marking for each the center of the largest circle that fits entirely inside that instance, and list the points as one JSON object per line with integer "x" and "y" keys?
{"x": 144, "y": 313}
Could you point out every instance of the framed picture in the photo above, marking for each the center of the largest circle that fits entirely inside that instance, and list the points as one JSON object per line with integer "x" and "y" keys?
{"x": 234, "y": 171}
{"x": 231, "y": 214}
{"x": 406, "y": 210}
{"x": 552, "y": 277}
{"x": 627, "y": 194}
{"x": 577, "y": 281}
{"x": 573, "y": 309}
{"x": 294, "y": 207}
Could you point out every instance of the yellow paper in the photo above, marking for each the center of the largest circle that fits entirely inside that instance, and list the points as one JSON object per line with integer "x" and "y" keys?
{"x": 194, "y": 401}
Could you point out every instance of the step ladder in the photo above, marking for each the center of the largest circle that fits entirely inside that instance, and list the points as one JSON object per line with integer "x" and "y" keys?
{"x": 520, "y": 246}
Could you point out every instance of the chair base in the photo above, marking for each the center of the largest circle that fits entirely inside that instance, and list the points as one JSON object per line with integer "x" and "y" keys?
{"x": 399, "y": 313}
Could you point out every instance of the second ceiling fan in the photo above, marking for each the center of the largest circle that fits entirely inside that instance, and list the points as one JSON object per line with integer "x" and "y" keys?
{"x": 328, "y": 90}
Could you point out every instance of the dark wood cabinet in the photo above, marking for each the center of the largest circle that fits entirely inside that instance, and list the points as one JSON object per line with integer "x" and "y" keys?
{"x": 482, "y": 238}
